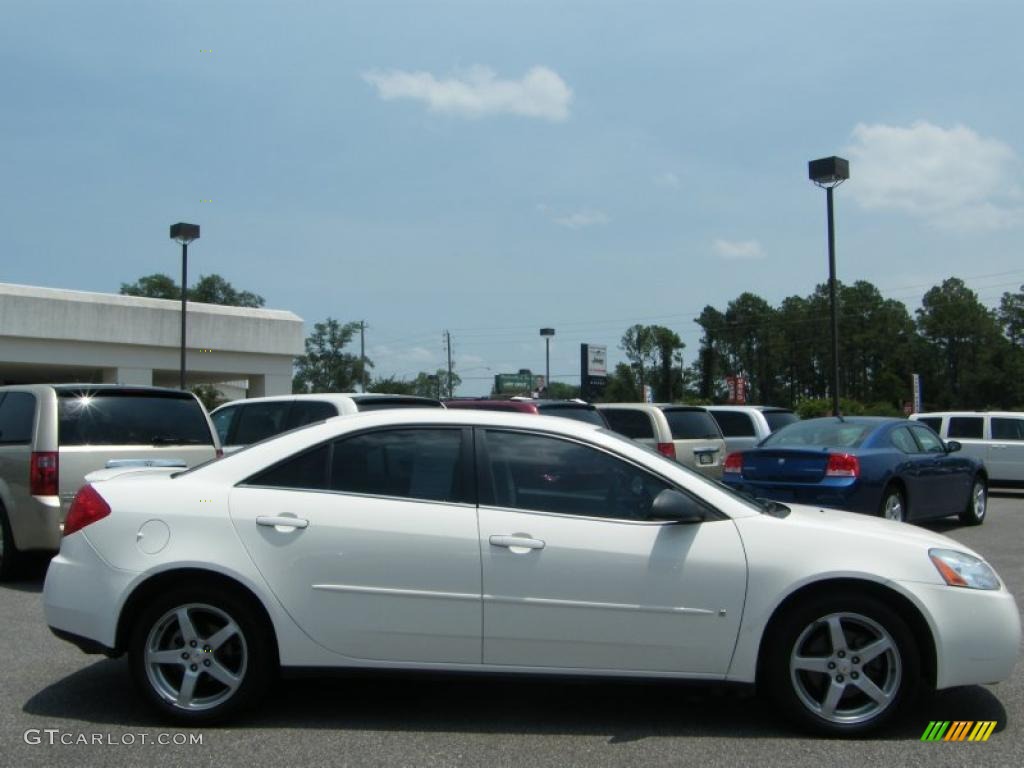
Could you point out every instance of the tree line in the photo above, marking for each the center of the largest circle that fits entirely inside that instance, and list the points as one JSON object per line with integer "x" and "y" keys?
{"x": 967, "y": 355}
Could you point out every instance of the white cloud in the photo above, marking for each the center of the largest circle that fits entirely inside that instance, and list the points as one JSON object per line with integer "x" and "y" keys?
{"x": 667, "y": 179}
{"x": 581, "y": 219}
{"x": 952, "y": 178}
{"x": 478, "y": 92}
{"x": 738, "y": 250}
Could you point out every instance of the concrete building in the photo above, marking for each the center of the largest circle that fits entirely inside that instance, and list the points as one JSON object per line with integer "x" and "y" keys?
{"x": 52, "y": 335}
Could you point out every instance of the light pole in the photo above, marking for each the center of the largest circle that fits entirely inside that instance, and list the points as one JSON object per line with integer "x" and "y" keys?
{"x": 184, "y": 234}
{"x": 547, "y": 333}
{"x": 830, "y": 172}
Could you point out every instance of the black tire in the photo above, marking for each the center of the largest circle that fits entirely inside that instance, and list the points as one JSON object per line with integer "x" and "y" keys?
{"x": 977, "y": 503}
{"x": 11, "y": 558}
{"x": 246, "y": 655}
{"x": 894, "y": 502}
{"x": 803, "y": 694}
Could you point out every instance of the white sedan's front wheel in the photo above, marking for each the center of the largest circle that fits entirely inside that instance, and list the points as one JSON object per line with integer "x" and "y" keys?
{"x": 842, "y": 665}
{"x": 199, "y": 655}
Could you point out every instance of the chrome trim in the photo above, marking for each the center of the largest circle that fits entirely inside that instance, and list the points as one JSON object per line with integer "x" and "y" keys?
{"x": 545, "y": 601}
{"x": 391, "y": 592}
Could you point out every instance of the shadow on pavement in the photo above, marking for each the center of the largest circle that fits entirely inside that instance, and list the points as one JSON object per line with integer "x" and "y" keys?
{"x": 489, "y": 704}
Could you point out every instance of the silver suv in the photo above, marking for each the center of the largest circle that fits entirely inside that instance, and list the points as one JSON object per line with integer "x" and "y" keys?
{"x": 52, "y": 435}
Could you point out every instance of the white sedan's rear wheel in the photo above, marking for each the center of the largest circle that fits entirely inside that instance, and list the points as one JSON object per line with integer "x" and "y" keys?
{"x": 842, "y": 665}
{"x": 199, "y": 655}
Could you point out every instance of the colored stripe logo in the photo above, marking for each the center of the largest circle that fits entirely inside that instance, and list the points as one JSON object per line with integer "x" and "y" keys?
{"x": 959, "y": 730}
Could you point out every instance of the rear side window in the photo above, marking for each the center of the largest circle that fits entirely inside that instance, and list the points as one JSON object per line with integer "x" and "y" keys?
{"x": 1007, "y": 429}
{"x": 307, "y": 471}
{"x": 691, "y": 424}
{"x": 966, "y": 426}
{"x": 576, "y": 413}
{"x": 935, "y": 422}
{"x": 903, "y": 440}
{"x": 779, "y": 419}
{"x": 407, "y": 463}
{"x": 258, "y": 421}
{"x": 634, "y": 424}
{"x": 127, "y": 418}
{"x": 17, "y": 417}
{"x": 305, "y": 412}
{"x": 734, "y": 423}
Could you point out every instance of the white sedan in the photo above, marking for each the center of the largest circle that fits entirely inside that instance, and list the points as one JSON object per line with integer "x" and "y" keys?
{"x": 481, "y": 541}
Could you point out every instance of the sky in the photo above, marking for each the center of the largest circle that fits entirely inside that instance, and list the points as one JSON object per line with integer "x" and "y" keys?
{"x": 491, "y": 168}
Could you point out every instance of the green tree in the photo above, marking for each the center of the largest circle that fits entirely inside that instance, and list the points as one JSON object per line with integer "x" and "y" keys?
{"x": 209, "y": 396}
{"x": 392, "y": 385}
{"x": 326, "y": 367}
{"x": 638, "y": 343}
{"x": 429, "y": 384}
{"x": 669, "y": 348}
{"x": 210, "y": 289}
{"x": 559, "y": 390}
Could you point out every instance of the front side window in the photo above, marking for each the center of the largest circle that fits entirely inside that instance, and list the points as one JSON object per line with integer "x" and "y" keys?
{"x": 971, "y": 427}
{"x": 408, "y": 463}
{"x": 258, "y": 421}
{"x": 631, "y": 423}
{"x": 548, "y": 474}
{"x": 1007, "y": 428}
{"x": 929, "y": 441}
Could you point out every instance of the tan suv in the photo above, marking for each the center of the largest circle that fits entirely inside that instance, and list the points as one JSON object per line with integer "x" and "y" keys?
{"x": 686, "y": 433}
{"x": 52, "y": 435}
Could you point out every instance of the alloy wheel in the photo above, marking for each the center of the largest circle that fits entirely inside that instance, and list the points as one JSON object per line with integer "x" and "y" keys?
{"x": 846, "y": 668}
{"x": 893, "y": 509}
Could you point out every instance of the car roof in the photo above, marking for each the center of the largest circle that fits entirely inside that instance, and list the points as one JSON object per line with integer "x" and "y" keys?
{"x": 762, "y": 408}
{"x": 136, "y": 389}
{"x": 968, "y": 413}
{"x": 658, "y": 406}
{"x": 329, "y": 397}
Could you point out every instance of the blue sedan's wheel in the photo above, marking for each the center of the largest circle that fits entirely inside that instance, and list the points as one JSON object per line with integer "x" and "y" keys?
{"x": 977, "y": 504}
{"x": 894, "y": 505}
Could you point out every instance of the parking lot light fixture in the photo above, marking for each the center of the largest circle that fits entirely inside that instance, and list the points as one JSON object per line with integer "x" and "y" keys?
{"x": 829, "y": 173}
{"x": 547, "y": 333}
{"x": 184, "y": 234}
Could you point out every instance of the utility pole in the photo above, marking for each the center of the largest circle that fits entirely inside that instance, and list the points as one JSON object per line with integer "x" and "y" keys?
{"x": 448, "y": 346}
{"x": 362, "y": 355}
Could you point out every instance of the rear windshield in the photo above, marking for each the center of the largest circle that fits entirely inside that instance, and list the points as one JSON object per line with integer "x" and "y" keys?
{"x": 575, "y": 412}
{"x": 779, "y": 419}
{"x": 824, "y": 434}
{"x": 383, "y": 403}
{"x": 692, "y": 424}
{"x": 128, "y": 418}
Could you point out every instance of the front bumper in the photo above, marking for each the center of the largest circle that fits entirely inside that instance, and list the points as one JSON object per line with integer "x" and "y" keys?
{"x": 82, "y": 595}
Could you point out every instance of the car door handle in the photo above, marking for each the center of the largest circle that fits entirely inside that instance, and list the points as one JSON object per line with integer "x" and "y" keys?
{"x": 282, "y": 521}
{"x": 516, "y": 542}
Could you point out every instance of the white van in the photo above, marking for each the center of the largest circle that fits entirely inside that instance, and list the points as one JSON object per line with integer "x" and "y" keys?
{"x": 744, "y": 426}
{"x": 995, "y": 438}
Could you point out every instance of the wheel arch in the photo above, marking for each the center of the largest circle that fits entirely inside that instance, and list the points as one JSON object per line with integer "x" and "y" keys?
{"x": 192, "y": 577}
{"x": 901, "y": 604}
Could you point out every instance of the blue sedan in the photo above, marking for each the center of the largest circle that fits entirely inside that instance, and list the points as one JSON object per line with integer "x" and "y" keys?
{"x": 894, "y": 468}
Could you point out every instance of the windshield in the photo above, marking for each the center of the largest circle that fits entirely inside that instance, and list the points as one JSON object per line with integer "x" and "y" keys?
{"x": 819, "y": 433}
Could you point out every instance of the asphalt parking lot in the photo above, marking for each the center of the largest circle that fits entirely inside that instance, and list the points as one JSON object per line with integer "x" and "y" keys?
{"x": 61, "y": 707}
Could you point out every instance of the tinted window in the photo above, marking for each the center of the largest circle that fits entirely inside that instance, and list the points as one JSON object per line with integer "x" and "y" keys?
{"x": 929, "y": 442}
{"x": 779, "y": 419}
{"x": 305, "y": 412}
{"x": 1007, "y": 429}
{"x": 966, "y": 426}
{"x": 222, "y": 421}
{"x": 408, "y": 463}
{"x": 546, "y": 474}
{"x": 306, "y": 471}
{"x": 258, "y": 421}
{"x": 935, "y": 422}
{"x": 127, "y": 418}
{"x": 634, "y": 424}
{"x": 383, "y": 403}
{"x": 734, "y": 423}
{"x": 17, "y": 417}
{"x": 825, "y": 433}
{"x": 691, "y": 425}
{"x": 903, "y": 440}
{"x": 575, "y": 412}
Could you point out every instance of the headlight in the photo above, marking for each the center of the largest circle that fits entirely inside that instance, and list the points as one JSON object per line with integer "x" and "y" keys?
{"x": 959, "y": 569}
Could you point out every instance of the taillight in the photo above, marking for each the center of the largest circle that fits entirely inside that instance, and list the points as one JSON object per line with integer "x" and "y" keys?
{"x": 733, "y": 464}
{"x": 42, "y": 474}
{"x": 87, "y": 508}
{"x": 667, "y": 449}
{"x": 842, "y": 465}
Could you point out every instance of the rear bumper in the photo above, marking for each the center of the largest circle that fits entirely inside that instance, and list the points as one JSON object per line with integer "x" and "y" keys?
{"x": 837, "y": 493}
{"x": 36, "y": 523}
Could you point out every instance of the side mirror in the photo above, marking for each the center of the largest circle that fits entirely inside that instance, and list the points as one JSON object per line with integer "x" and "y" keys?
{"x": 952, "y": 446}
{"x": 675, "y": 507}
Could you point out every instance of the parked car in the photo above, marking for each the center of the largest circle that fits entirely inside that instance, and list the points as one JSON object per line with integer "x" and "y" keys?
{"x": 484, "y": 541}
{"x": 567, "y": 409}
{"x": 744, "y": 426}
{"x": 685, "y": 433}
{"x": 996, "y": 438}
{"x": 889, "y": 467}
{"x": 243, "y": 422}
{"x": 52, "y": 435}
